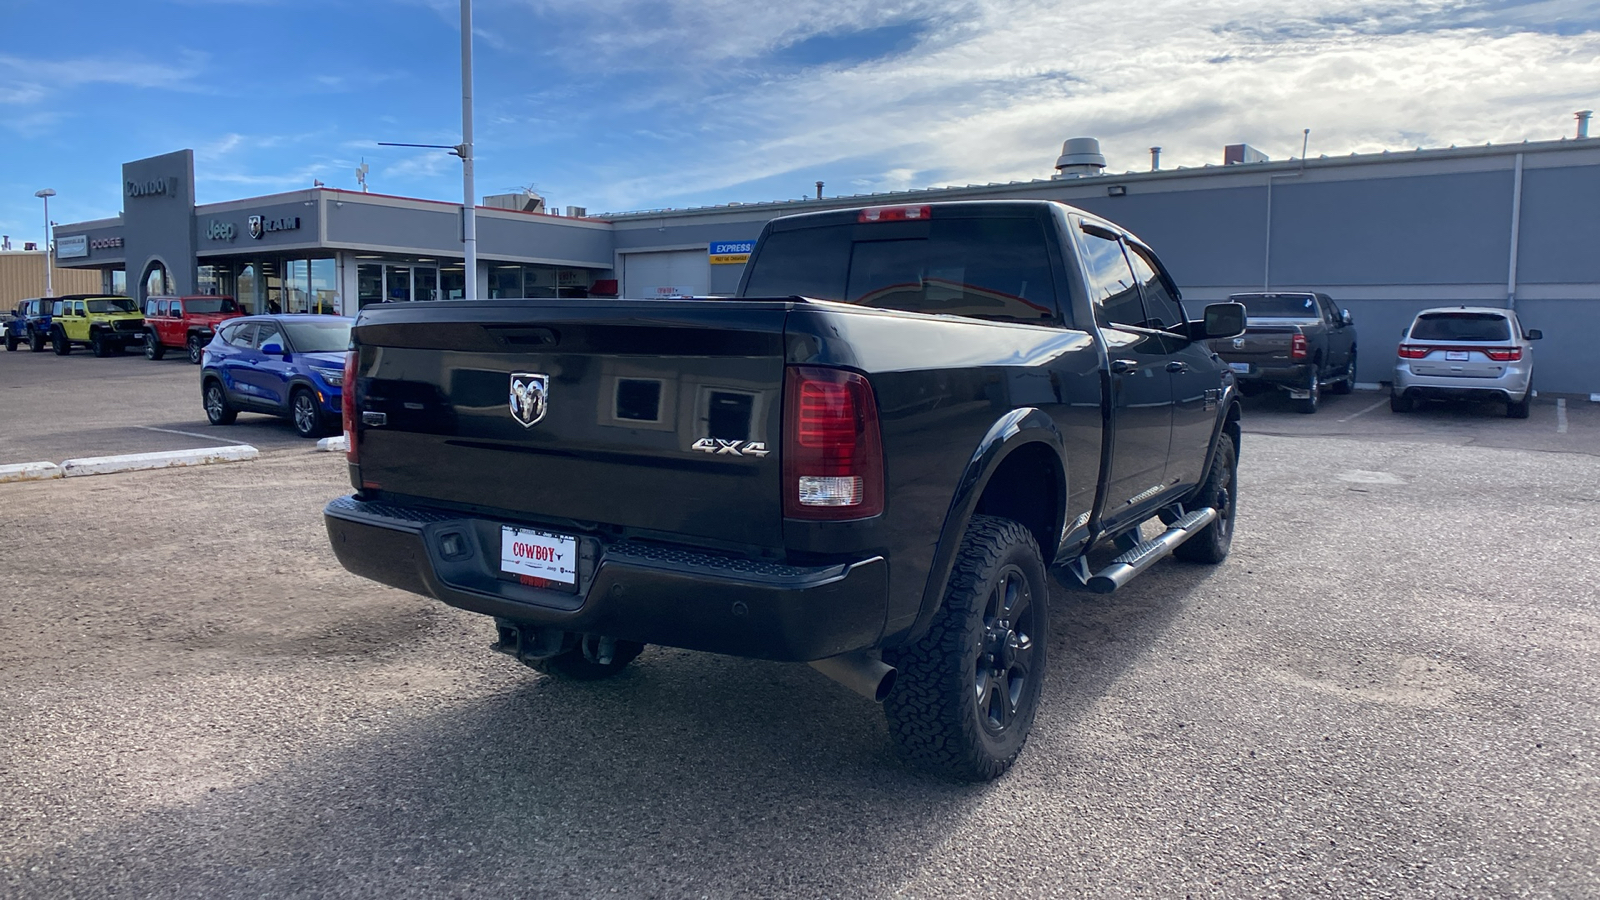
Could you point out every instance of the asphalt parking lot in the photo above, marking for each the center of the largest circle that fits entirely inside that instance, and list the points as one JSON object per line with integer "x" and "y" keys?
{"x": 1391, "y": 688}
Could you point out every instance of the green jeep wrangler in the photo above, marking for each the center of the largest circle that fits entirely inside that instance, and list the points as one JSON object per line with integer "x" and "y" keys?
{"x": 107, "y": 324}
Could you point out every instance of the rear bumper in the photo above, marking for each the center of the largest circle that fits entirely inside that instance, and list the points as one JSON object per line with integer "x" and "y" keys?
{"x": 1293, "y": 377}
{"x": 652, "y": 593}
{"x": 1512, "y": 385}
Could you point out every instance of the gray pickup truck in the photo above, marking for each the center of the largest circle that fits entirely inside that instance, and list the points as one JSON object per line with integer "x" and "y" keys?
{"x": 1296, "y": 342}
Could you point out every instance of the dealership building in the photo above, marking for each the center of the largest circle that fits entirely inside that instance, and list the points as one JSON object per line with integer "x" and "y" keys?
{"x": 1385, "y": 234}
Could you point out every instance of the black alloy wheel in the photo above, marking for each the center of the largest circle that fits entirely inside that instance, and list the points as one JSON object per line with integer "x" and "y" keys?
{"x": 59, "y": 342}
{"x": 1220, "y": 492}
{"x": 303, "y": 411}
{"x": 218, "y": 410}
{"x": 99, "y": 346}
{"x": 152, "y": 346}
{"x": 1313, "y": 390}
{"x": 35, "y": 341}
{"x": 195, "y": 348}
{"x": 1347, "y": 384}
{"x": 967, "y": 692}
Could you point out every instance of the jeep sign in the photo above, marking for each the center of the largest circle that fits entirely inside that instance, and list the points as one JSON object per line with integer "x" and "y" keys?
{"x": 220, "y": 231}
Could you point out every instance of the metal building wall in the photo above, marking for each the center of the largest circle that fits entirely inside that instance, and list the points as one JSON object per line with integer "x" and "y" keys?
{"x": 22, "y": 277}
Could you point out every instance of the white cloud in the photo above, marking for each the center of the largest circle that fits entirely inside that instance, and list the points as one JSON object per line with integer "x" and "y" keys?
{"x": 992, "y": 96}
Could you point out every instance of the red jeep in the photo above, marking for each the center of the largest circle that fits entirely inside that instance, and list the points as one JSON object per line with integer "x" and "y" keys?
{"x": 186, "y": 322}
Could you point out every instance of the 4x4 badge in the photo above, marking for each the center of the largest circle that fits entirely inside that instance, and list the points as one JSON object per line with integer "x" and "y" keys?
{"x": 529, "y": 397}
{"x": 730, "y": 448}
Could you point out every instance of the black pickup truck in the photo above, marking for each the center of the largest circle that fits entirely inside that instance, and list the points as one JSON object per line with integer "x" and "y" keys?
{"x": 867, "y": 461}
{"x": 1295, "y": 342}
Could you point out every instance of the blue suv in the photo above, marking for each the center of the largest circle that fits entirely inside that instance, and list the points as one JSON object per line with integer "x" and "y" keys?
{"x": 290, "y": 366}
{"x": 29, "y": 324}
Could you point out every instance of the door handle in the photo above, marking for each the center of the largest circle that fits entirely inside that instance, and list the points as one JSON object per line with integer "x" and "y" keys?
{"x": 1177, "y": 367}
{"x": 1124, "y": 366}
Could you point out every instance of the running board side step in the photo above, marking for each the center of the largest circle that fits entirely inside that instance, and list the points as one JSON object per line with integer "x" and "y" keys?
{"x": 1148, "y": 553}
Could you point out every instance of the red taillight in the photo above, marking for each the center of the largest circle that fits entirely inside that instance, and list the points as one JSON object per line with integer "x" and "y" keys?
{"x": 347, "y": 396}
{"x": 1297, "y": 347}
{"x": 1504, "y": 354}
{"x": 1414, "y": 351}
{"x": 895, "y": 214}
{"x": 832, "y": 449}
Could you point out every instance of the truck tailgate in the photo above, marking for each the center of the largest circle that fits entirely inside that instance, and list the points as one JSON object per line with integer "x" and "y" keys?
{"x": 629, "y": 388}
{"x": 1262, "y": 344}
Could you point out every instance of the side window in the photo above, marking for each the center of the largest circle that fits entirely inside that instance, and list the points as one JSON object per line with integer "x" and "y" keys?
{"x": 1330, "y": 313}
{"x": 77, "y": 308}
{"x": 1162, "y": 308}
{"x": 150, "y": 307}
{"x": 1112, "y": 289}
{"x": 267, "y": 333}
{"x": 240, "y": 335}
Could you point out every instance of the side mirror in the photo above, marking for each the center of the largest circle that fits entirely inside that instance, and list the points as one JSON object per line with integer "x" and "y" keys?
{"x": 272, "y": 348}
{"x": 1344, "y": 316}
{"x": 1535, "y": 334}
{"x": 1222, "y": 320}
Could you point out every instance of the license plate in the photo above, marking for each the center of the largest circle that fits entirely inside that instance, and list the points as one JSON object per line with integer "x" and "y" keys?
{"x": 1243, "y": 368}
{"x": 1462, "y": 355}
{"x": 539, "y": 554}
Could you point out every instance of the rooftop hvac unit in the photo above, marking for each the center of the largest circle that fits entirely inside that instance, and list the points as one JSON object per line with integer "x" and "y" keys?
{"x": 1237, "y": 154}
{"x": 521, "y": 201}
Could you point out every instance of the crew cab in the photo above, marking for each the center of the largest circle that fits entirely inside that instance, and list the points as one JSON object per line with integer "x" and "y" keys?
{"x": 1295, "y": 342}
{"x": 107, "y": 324}
{"x": 185, "y": 323}
{"x": 29, "y": 323}
{"x": 867, "y": 460}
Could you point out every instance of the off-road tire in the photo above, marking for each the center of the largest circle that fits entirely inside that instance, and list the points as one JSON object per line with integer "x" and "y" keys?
{"x": 1400, "y": 403}
{"x": 1309, "y": 404}
{"x": 195, "y": 349}
{"x": 1221, "y": 493}
{"x": 35, "y": 341}
{"x": 152, "y": 346}
{"x": 1519, "y": 409}
{"x": 215, "y": 399}
{"x": 59, "y": 342}
{"x": 1347, "y": 384}
{"x": 573, "y": 665}
{"x": 966, "y": 693}
{"x": 11, "y": 341}
{"x": 98, "y": 346}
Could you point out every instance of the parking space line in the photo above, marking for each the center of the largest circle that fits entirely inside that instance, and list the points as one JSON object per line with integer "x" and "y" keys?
{"x": 1364, "y": 411}
{"x": 1561, "y": 416}
{"x": 209, "y": 437}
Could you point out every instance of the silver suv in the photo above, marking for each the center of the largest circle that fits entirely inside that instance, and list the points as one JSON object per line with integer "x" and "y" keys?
{"x": 1465, "y": 352}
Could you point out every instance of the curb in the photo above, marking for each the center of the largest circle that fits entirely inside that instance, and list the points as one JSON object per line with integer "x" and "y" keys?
{"x": 34, "y": 471}
{"x": 335, "y": 444}
{"x": 133, "y": 462}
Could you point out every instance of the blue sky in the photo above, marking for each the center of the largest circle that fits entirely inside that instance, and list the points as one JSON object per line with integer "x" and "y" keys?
{"x": 631, "y": 104}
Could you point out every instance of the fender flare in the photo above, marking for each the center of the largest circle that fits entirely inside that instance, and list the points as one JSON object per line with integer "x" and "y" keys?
{"x": 1014, "y": 430}
{"x": 1227, "y": 405}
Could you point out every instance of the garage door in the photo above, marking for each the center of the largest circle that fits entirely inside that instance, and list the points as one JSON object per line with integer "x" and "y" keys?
{"x": 666, "y": 274}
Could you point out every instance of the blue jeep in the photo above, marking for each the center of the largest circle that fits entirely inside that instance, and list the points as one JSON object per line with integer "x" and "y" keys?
{"x": 29, "y": 324}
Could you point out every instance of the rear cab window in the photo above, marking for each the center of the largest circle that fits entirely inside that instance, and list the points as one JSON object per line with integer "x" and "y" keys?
{"x": 1461, "y": 326}
{"x": 1279, "y": 306}
{"x": 993, "y": 267}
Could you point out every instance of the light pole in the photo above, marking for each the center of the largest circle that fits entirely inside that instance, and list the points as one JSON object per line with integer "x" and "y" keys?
{"x": 469, "y": 219}
{"x": 45, "y": 195}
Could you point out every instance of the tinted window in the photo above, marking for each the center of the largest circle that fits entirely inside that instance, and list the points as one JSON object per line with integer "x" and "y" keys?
{"x": 112, "y": 304}
{"x": 319, "y": 337}
{"x": 987, "y": 268}
{"x": 242, "y": 335}
{"x": 1462, "y": 326}
{"x": 267, "y": 333}
{"x": 1111, "y": 285}
{"x": 1279, "y": 306}
{"x": 1160, "y": 306}
{"x": 211, "y": 305}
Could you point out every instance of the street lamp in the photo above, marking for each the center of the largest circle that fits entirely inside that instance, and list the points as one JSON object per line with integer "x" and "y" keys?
{"x": 45, "y": 195}
{"x": 469, "y": 222}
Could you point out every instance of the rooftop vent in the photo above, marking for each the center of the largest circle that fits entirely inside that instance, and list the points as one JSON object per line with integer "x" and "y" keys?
{"x": 1583, "y": 122}
{"x": 1238, "y": 154}
{"x": 1079, "y": 157}
{"x": 521, "y": 201}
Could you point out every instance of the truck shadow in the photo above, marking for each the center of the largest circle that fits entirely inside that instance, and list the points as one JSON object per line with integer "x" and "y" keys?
{"x": 690, "y": 773}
